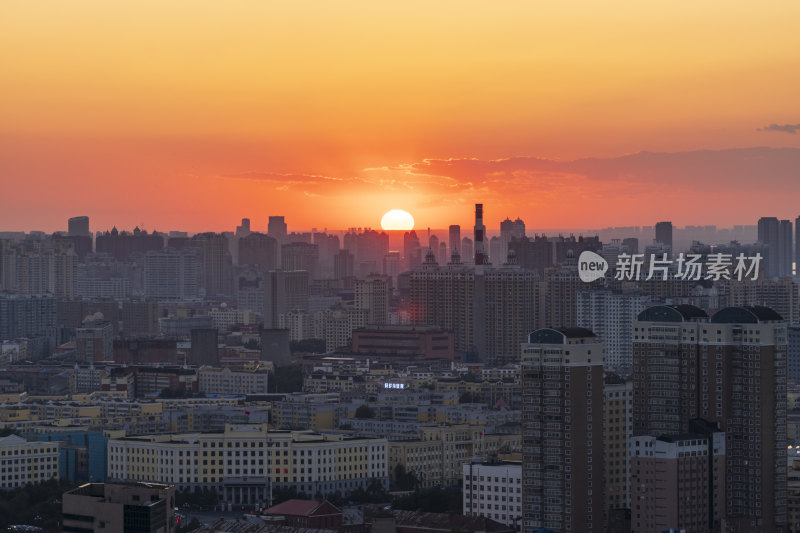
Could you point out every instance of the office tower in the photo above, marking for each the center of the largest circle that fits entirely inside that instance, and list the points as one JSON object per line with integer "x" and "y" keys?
{"x": 412, "y": 251}
{"x": 562, "y": 428}
{"x": 205, "y": 347}
{"x": 94, "y": 340}
{"x": 454, "y": 234}
{"x": 442, "y": 253}
{"x": 243, "y": 230}
{"x": 664, "y": 233}
{"x": 343, "y": 264}
{"x": 769, "y": 235}
{"x": 172, "y": 274}
{"x": 140, "y": 507}
{"x": 77, "y": 236}
{"x": 785, "y": 252}
{"x": 392, "y": 265}
{"x": 284, "y": 291}
{"x": 258, "y": 251}
{"x": 301, "y": 256}
{"x": 632, "y": 243}
{"x": 467, "y": 251}
{"x": 372, "y": 295}
{"x": 618, "y": 428}
{"x": 78, "y": 226}
{"x": 677, "y": 482}
{"x": 729, "y": 370}
{"x": 610, "y": 315}
{"x": 277, "y": 229}
{"x": 481, "y": 257}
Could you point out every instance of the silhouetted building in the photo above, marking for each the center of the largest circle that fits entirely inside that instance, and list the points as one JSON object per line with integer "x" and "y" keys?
{"x": 258, "y": 251}
{"x": 454, "y": 234}
{"x": 217, "y": 264}
{"x": 664, "y": 233}
{"x": 372, "y": 295}
{"x": 122, "y": 245}
{"x": 78, "y": 226}
{"x": 172, "y": 274}
{"x": 301, "y": 256}
{"x": 277, "y": 229}
{"x": 481, "y": 256}
{"x": 284, "y": 291}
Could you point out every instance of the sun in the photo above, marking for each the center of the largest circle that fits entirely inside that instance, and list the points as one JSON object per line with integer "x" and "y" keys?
{"x": 397, "y": 219}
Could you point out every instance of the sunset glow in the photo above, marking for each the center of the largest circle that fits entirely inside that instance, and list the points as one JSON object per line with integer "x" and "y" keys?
{"x": 192, "y": 115}
{"x": 397, "y": 219}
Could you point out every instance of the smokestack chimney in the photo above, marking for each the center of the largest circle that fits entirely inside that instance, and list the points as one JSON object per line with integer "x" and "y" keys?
{"x": 480, "y": 235}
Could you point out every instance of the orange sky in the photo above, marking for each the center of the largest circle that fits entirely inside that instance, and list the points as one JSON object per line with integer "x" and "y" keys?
{"x": 192, "y": 114}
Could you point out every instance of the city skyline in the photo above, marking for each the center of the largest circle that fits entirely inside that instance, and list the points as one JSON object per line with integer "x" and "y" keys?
{"x": 201, "y": 115}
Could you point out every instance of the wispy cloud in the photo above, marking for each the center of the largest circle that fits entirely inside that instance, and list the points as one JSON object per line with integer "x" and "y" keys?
{"x": 784, "y": 128}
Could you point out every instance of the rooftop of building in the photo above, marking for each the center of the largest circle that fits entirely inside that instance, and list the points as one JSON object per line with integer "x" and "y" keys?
{"x": 672, "y": 313}
{"x": 559, "y": 335}
{"x": 746, "y": 315}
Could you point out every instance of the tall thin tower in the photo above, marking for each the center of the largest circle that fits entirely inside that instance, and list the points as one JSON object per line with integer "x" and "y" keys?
{"x": 480, "y": 235}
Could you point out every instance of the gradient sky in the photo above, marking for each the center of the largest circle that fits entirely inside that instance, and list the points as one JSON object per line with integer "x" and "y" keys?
{"x": 192, "y": 114}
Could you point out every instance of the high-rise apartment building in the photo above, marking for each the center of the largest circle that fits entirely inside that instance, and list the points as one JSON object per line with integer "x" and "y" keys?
{"x": 610, "y": 315}
{"x": 677, "y": 482}
{"x": 562, "y": 428}
{"x": 785, "y": 251}
{"x": 216, "y": 260}
{"x": 769, "y": 235}
{"x": 729, "y": 370}
{"x": 617, "y": 430}
{"x": 284, "y": 291}
{"x": 301, "y": 256}
{"x": 372, "y": 295}
{"x": 172, "y": 274}
{"x": 258, "y": 251}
